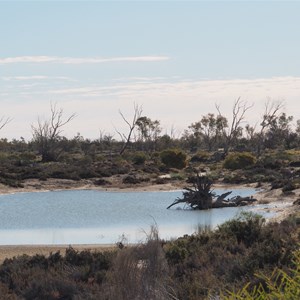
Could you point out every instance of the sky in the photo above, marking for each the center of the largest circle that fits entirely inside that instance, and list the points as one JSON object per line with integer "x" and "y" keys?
{"x": 176, "y": 59}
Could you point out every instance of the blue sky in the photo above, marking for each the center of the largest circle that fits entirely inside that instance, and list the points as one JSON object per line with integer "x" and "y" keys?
{"x": 175, "y": 58}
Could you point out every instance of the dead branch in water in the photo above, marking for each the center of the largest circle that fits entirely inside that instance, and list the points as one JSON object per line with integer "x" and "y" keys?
{"x": 201, "y": 196}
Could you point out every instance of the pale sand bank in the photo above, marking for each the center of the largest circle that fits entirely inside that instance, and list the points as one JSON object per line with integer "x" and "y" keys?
{"x": 52, "y": 184}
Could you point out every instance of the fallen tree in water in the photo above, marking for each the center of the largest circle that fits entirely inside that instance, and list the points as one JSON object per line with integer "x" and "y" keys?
{"x": 201, "y": 196}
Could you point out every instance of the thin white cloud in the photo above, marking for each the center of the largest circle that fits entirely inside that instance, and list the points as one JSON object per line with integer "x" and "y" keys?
{"x": 34, "y": 78}
{"x": 79, "y": 60}
{"x": 37, "y": 77}
{"x": 193, "y": 88}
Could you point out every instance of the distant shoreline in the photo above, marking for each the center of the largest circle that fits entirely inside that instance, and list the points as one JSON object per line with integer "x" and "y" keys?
{"x": 53, "y": 184}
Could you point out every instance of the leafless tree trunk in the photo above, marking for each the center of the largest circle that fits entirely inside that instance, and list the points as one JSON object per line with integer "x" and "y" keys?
{"x": 238, "y": 114}
{"x": 46, "y": 133}
{"x": 131, "y": 125}
{"x": 4, "y": 121}
{"x": 270, "y": 114}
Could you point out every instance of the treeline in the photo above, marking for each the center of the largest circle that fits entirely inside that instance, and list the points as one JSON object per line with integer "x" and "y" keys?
{"x": 275, "y": 130}
{"x": 226, "y": 149}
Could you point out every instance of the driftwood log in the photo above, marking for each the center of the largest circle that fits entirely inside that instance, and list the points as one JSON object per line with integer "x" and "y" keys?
{"x": 200, "y": 196}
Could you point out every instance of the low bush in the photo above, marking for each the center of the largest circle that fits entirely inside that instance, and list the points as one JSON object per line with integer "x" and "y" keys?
{"x": 235, "y": 178}
{"x": 239, "y": 160}
{"x": 133, "y": 179}
{"x": 200, "y": 156}
{"x": 271, "y": 162}
{"x": 139, "y": 158}
{"x": 207, "y": 263}
{"x": 173, "y": 158}
{"x": 101, "y": 182}
{"x": 245, "y": 228}
{"x": 286, "y": 185}
{"x": 289, "y": 186}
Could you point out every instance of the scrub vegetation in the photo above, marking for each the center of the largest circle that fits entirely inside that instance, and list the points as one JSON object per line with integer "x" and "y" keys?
{"x": 226, "y": 149}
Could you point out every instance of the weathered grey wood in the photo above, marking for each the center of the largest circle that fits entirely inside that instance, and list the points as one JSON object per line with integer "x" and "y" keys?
{"x": 222, "y": 197}
{"x": 202, "y": 197}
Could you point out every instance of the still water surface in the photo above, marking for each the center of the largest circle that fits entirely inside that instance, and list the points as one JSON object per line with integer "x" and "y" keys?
{"x": 88, "y": 216}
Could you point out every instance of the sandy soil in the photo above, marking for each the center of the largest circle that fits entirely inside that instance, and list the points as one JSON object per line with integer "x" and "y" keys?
{"x": 282, "y": 206}
{"x": 52, "y": 184}
{"x": 14, "y": 251}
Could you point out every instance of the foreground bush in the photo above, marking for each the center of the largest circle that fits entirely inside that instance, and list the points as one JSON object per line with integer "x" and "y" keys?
{"x": 279, "y": 285}
{"x": 209, "y": 263}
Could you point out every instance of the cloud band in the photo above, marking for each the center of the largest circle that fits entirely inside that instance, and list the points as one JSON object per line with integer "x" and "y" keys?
{"x": 79, "y": 60}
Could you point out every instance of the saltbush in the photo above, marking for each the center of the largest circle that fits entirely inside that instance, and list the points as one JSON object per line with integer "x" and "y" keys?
{"x": 176, "y": 254}
{"x": 139, "y": 158}
{"x": 173, "y": 158}
{"x": 200, "y": 156}
{"x": 239, "y": 160}
{"x": 245, "y": 228}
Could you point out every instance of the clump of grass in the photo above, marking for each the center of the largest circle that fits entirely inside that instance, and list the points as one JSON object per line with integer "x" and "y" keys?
{"x": 140, "y": 272}
{"x": 279, "y": 285}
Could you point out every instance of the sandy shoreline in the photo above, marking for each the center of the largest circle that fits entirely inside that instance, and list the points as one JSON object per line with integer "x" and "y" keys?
{"x": 52, "y": 184}
{"x": 282, "y": 207}
{"x": 19, "y": 250}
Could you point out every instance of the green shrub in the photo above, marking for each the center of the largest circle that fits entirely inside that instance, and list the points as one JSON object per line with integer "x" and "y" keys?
{"x": 289, "y": 186}
{"x": 284, "y": 155}
{"x": 200, "y": 156}
{"x": 173, "y": 158}
{"x": 246, "y": 228}
{"x": 177, "y": 176}
{"x": 27, "y": 156}
{"x": 4, "y": 157}
{"x": 235, "y": 178}
{"x": 269, "y": 161}
{"x": 176, "y": 254}
{"x": 239, "y": 160}
{"x": 139, "y": 158}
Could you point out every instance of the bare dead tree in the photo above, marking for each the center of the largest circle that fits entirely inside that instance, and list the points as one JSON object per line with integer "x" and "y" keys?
{"x": 174, "y": 133}
{"x": 46, "y": 134}
{"x": 239, "y": 110}
{"x": 4, "y": 121}
{"x": 131, "y": 125}
{"x": 270, "y": 115}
